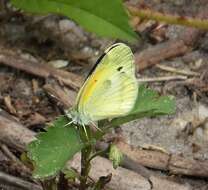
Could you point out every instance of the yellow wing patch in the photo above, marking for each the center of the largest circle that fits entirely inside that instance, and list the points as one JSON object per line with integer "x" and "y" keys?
{"x": 90, "y": 86}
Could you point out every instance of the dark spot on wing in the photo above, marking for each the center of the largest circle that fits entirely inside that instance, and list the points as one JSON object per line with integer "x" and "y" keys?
{"x": 123, "y": 72}
{"x": 119, "y": 68}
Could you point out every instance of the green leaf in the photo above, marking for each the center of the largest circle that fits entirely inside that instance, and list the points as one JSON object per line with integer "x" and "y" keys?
{"x": 70, "y": 174}
{"x": 104, "y": 17}
{"x": 148, "y": 104}
{"x": 115, "y": 155}
{"x": 54, "y": 148}
{"x": 149, "y": 100}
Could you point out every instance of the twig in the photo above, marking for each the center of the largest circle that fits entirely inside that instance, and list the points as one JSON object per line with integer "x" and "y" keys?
{"x": 160, "y": 52}
{"x": 158, "y": 160}
{"x": 160, "y": 79}
{"x": 175, "y": 70}
{"x": 171, "y": 48}
{"x": 10, "y": 155}
{"x": 167, "y": 18}
{"x": 127, "y": 162}
{"x": 8, "y": 103}
{"x": 14, "y": 134}
{"x": 13, "y": 59}
{"x": 59, "y": 95}
{"x": 11, "y": 181}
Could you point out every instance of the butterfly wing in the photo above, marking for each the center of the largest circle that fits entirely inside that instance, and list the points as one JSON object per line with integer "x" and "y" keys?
{"x": 111, "y": 90}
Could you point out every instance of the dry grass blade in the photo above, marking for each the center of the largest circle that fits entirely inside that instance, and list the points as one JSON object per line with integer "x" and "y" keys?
{"x": 161, "y": 79}
{"x": 178, "y": 71}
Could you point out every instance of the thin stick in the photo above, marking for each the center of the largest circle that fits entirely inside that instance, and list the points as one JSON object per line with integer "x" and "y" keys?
{"x": 178, "y": 71}
{"x": 167, "y": 18}
{"x": 160, "y": 79}
{"x": 39, "y": 68}
{"x": 10, "y": 155}
{"x": 12, "y": 182}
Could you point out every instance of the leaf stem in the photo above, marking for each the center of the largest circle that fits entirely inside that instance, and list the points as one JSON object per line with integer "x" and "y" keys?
{"x": 98, "y": 153}
{"x": 85, "y": 166}
{"x": 50, "y": 184}
{"x": 167, "y": 18}
{"x": 85, "y": 157}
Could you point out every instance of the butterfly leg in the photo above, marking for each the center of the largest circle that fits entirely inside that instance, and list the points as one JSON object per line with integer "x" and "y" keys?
{"x": 69, "y": 123}
{"x": 85, "y": 130}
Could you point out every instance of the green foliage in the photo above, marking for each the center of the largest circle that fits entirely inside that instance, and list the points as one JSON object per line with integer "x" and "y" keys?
{"x": 53, "y": 148}
{"x": 104, "y": 17}
{"x": 115, "y": 155}
{"x": 70, "y": 174}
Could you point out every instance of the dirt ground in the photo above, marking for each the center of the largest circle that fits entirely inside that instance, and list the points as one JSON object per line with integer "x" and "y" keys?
{"x": 60, "y": 43}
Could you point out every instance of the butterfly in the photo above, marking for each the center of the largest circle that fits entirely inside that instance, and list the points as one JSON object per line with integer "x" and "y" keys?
{"x": 110, "y": 90}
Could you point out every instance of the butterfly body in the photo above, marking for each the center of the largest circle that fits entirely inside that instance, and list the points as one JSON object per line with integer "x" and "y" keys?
{"x": 111, "y": 89}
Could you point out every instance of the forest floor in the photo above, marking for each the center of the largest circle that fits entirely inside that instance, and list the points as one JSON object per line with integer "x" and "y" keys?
{"x": 171, "y": 59}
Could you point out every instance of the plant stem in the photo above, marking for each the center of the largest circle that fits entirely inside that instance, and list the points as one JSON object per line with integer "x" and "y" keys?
{"x": 85, "y": 135}
{"x": 169, "y": 19}
{"x": 98, "y": 153}
{"x": 50, "y": 184}
{"x": 85, "y": 166}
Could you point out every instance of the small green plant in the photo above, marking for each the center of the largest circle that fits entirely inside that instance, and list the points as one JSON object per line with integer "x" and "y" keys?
{"x": 53, "y": 148}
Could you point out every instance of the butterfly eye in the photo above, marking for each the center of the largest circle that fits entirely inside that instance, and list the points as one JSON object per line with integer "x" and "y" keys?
{"x": 119, "y": 68}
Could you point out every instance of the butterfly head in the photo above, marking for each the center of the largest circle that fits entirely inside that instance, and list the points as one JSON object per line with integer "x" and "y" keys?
{"x": 78, "y": 118}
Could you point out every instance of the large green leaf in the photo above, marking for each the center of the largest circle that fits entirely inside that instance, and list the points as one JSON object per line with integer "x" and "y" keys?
{"x": 104, "y": 17}
{"x": 53, "y": 148}
{"x": 148, "y": 104}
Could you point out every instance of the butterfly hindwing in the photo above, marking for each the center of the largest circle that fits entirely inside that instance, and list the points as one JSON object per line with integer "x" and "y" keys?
{"x": 111, "y": 89}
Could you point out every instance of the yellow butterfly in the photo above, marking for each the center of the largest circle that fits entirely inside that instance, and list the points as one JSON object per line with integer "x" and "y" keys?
{"x": 110, "y": 90}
